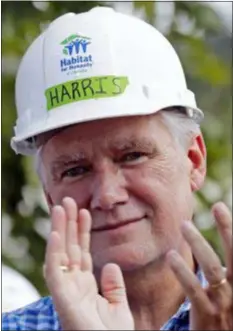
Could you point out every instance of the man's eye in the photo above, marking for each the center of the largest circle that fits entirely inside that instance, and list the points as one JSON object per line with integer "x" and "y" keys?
{"x": 133, "y": 156}
{"x": 75, "y": 171}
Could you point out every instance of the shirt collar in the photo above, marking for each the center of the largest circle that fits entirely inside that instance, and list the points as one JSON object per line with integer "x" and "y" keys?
{"x": 182, "y": 313}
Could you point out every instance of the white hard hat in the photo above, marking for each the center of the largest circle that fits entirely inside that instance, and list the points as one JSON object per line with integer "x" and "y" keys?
{"x": 95, "y": 65}
{"x": 17, "y": 291}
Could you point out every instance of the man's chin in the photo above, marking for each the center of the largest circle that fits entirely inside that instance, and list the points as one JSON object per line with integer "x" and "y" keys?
{"x": 129, "y": 258}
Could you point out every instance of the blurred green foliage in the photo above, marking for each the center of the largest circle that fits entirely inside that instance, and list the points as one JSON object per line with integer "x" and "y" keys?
{"x": 205, "y": 51}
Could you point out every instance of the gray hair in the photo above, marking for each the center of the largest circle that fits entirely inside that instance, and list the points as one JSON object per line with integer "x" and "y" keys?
{"x": 182, "y": 127}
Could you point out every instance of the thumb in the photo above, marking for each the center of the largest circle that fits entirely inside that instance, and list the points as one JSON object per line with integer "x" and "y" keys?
{"x": 113, "y": 285}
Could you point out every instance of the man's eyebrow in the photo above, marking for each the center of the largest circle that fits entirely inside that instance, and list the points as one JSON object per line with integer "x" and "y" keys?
{"x": 133, "y": 143}
{"x": 67, "y": 159}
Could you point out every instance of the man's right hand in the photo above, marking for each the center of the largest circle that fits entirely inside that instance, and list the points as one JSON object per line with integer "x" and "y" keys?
{"x": 74, "y": 289}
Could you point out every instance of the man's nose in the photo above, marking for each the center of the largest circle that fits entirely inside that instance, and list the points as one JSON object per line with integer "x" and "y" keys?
{"x": 108, "y": 190}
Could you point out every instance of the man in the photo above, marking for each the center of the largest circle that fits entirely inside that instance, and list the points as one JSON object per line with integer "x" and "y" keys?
{"x": 120, "y": 154}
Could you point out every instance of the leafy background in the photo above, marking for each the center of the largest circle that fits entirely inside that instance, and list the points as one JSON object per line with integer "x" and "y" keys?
{"x": 204, "y": 45}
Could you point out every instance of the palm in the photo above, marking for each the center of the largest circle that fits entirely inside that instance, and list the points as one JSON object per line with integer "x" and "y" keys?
{"x": 75, "y": 292}
{"x": 79, "y": 286}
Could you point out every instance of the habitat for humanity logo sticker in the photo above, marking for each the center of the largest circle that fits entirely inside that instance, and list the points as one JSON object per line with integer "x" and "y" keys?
{"x": 75, "y": 50}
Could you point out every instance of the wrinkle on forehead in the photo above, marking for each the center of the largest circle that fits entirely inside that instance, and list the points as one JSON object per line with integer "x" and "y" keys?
{"x": 105, "y": 126}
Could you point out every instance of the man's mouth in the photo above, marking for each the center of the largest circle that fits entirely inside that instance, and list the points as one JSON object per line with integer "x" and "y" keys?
{"x": 109, "y": 227}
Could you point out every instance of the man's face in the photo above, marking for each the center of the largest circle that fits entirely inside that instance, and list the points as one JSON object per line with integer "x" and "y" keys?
{"x": 132, "y": 177}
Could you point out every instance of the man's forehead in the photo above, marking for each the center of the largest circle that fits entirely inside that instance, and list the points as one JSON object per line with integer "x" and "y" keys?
{"x": 80, "y": 149}
{"x": 118, "y": 133}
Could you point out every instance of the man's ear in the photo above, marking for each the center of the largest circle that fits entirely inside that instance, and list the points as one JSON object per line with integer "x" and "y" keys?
{"x": 197, "y": 157}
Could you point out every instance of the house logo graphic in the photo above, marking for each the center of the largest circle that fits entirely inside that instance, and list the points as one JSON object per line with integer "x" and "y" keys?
{"x": 76, "y": 57}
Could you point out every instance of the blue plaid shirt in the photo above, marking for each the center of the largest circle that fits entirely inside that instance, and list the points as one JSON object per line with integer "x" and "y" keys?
{"x": 41, "y": 315}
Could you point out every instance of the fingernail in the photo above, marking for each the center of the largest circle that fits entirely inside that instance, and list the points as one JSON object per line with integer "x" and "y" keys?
{"x": 187, "y": 224}
{"x": 219, "y": 209}
{"x": 172, "y": 257}
{"x": 172, "y": 252}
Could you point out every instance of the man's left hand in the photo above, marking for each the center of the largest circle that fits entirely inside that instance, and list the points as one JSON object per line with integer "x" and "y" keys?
{"x": 211, "y": 307}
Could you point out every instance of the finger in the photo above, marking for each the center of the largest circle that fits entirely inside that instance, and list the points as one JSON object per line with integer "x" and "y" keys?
{"x": 84, "y": 239}
{"x": 58, "y": 219}
{"x": 72, "y": 247}
{"x": 53, "y": 261}
{"x": 224, "y": 224}
{"x": 205, "y": 255}
{"x": 71, "y": 211}
{"x": 189, "y": 282}
{"x": 71, "y": 208}
{"x": 84, "y": 229}
{"x": 113, "y": 285}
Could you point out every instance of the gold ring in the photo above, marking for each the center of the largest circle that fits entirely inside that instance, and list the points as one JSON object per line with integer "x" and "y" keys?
{"x": 64, "y": 268}
{"x": 216, "y": 285}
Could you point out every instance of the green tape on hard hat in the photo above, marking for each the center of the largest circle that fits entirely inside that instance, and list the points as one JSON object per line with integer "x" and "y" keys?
{"x": 85, "y": 89}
